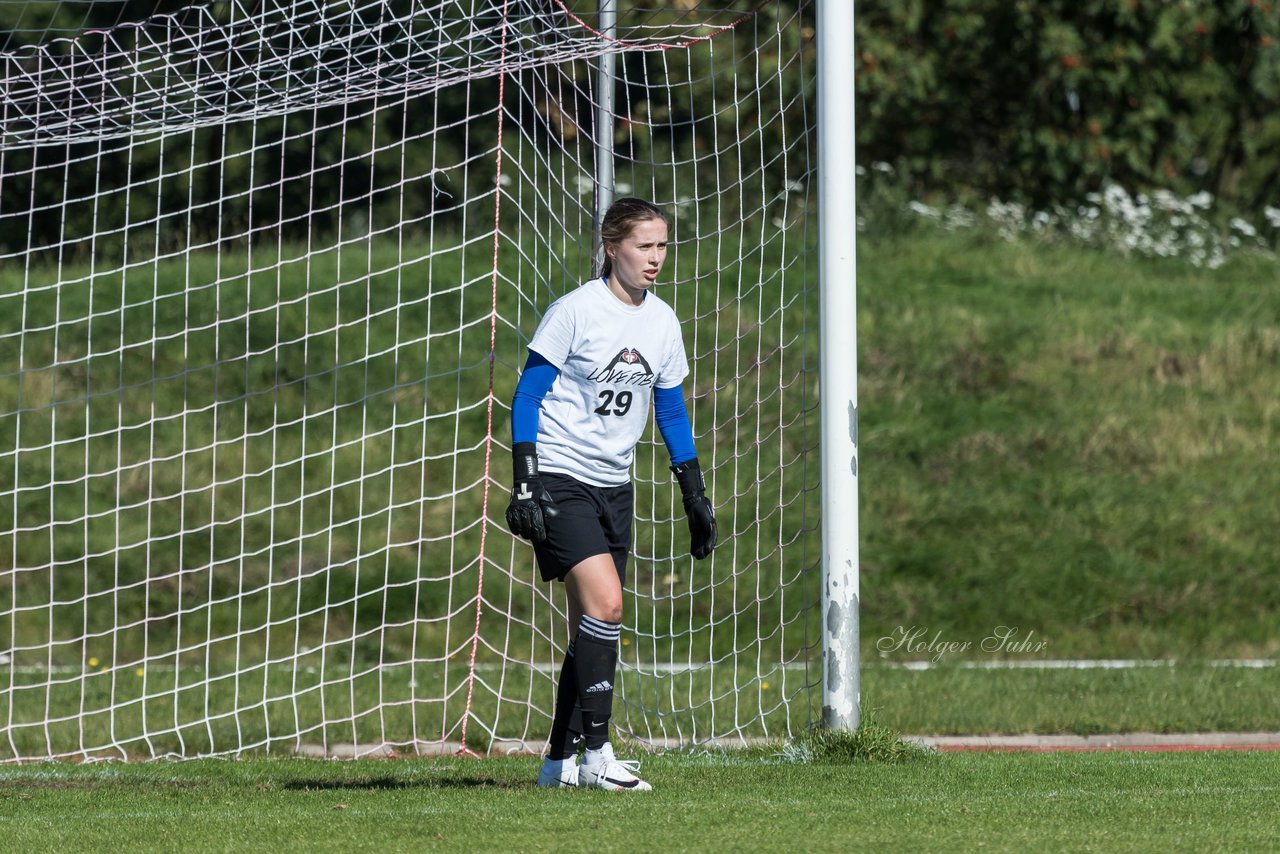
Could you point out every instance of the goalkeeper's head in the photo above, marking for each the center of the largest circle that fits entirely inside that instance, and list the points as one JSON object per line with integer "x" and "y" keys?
{"x": 621, "y": 219}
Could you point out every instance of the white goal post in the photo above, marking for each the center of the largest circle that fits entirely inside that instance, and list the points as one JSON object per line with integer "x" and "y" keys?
{"x": 268, "y": 270}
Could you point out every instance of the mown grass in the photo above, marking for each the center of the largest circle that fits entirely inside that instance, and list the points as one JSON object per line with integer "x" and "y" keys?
{"x": 423, "y": 709}
{"x": 1071, "y": 443}
{"x": 419, "y": 708}
{"x": 707, "y": 802}
{"x": 1186, "y": 697}
{"x": 231, "y": 453}
{"x": 1057, "y": 439}
{"x": 255, "y": 469}
{"x": 225, "y": 470}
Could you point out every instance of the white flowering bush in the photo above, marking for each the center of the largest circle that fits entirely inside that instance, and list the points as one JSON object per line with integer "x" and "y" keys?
{"x": 1159, "y": 225}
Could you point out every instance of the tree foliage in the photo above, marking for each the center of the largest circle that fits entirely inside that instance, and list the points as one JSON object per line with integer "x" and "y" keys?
{"x": 1045, "y": 100}
{"x": 307, "y": 171}
{"x": 1039, "y": 101}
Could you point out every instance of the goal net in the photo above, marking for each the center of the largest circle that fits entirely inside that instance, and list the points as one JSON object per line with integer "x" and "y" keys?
{"x": 268, "y": 271}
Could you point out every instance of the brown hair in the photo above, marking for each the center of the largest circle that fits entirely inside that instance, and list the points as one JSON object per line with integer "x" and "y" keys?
{"x": 623, "y": 216}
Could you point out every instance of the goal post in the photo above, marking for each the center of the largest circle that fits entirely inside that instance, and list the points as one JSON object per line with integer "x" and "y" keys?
{"x": 268, "y": 271}
{"x": 606, "y": 84}
{"x": 837, "y": 276}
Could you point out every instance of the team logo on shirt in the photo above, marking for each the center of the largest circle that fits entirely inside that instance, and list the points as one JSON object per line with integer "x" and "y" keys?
{"x": 629, "y": 367}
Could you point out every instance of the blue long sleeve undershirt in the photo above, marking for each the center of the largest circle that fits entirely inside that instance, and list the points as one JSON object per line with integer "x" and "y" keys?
{"x": 673, "y": 423}
{"x": 535, "y": 382}
{"x": 539, "y": 375}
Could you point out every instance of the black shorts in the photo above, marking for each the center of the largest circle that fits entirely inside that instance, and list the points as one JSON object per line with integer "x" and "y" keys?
{"x": 593, "y": 520}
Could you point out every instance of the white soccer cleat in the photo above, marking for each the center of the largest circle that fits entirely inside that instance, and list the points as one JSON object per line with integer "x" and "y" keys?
{"x": 558, "y": 774}
{"x": 604, "y": 771}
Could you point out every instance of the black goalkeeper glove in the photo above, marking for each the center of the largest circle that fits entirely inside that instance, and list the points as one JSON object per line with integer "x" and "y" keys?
{"x": 530, "y": 503}
{"x": 697, "y": 508}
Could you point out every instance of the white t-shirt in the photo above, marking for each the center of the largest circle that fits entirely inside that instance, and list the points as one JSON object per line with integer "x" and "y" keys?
{"x": 611, "y": 356}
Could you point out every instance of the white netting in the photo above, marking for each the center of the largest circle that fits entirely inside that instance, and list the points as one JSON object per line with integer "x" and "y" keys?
{"x": 267, "y": 273}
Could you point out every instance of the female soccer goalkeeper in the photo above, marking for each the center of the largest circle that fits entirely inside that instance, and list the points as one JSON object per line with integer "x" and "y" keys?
{"x": 601, "y": 353}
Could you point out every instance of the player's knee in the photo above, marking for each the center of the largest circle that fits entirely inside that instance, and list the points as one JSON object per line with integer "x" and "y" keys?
{"x": 607, "y": 609}
{"x": 612, "y": 610}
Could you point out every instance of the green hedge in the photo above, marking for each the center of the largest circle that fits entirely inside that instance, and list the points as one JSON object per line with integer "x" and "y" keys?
{"x": 1038, "y": 101}
{"x": 1043, "y": 101}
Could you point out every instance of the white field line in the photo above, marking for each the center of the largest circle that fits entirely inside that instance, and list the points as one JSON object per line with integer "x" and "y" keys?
{"x": 1076, "y": 664}
{"x": 693, "y": 667}
{"x": 1149, "y": 741}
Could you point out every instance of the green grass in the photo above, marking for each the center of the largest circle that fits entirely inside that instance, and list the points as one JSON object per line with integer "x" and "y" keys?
{"x": 709, "y": 802}
{"x": 113, "y": 715}
{"x": 1064, "y": 441}
{"x": 1069, "y": 442}
{"x": 1053, "y": 438}
{"x": 247, "y": 437}
{"x": 1187, "y": 697}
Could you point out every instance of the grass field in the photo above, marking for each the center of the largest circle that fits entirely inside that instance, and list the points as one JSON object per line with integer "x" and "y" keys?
{"x": 1070, "y": 442}
{"x": 299, "y": 711}
{"x": 1187, "y": 697}
{"x": 1053, "y": 438}
{"x": 711, "y": 802}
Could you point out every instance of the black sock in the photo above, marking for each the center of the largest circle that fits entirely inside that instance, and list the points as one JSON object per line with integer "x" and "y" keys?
{"x": 566, "y": 726}
{"x": 595, "y": 660}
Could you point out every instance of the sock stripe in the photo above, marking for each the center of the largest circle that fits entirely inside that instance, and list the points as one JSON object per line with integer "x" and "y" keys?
{"x": 599, "y": 629}
{"x": 568, "y": 651}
